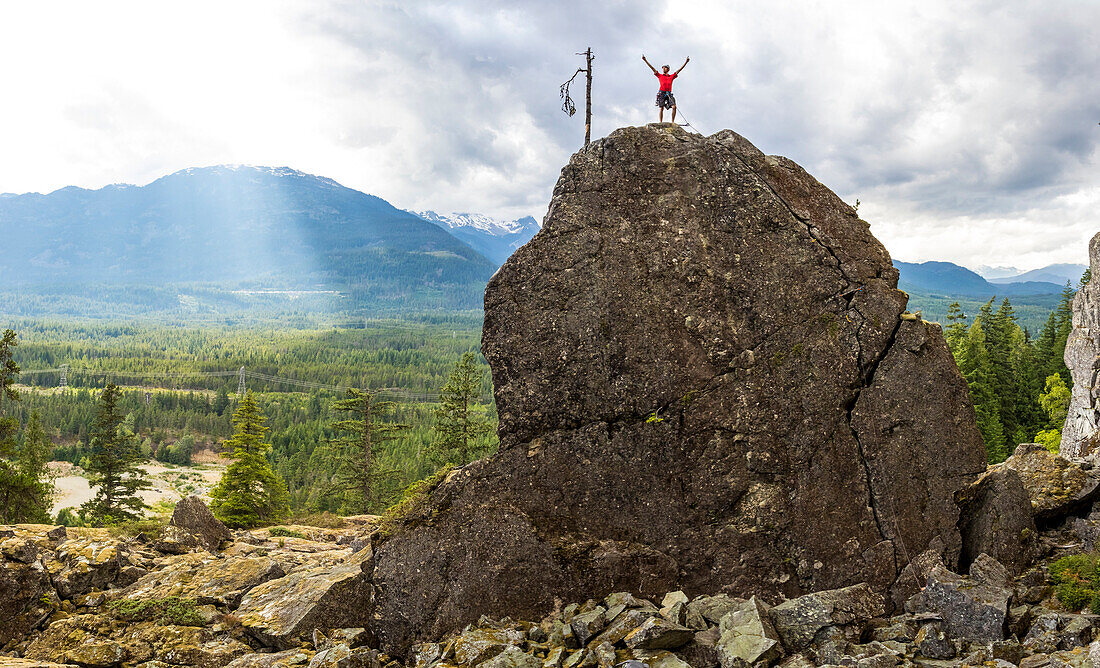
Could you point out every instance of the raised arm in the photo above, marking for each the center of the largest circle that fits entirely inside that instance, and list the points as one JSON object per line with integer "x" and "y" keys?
{"x": 650, "y": 65}
{"x": 686, "y": 61}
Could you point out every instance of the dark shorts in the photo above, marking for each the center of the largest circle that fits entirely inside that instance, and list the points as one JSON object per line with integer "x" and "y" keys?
{"x": 665, "y": 99}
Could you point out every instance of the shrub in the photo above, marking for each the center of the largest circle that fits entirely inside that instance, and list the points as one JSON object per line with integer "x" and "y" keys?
{"x": 1076, "y": 581}
{"x": 171, "y": 610}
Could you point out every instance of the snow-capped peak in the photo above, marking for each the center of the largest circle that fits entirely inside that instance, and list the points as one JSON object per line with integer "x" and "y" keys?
{"x": 477, "y": 221}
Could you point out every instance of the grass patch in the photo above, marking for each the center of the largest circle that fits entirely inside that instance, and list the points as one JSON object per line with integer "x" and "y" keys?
{"x": 283, "y": 531}
{"x": 413, "y": 500}
{"x": 171, "y": 610}
{"x": 325, "y": 520}
{"x": 152, "y": 527}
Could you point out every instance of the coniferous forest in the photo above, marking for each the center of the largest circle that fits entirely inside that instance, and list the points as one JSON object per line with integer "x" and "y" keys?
{"x": 1018, "y": 380}
{"x": 172, "y": 412}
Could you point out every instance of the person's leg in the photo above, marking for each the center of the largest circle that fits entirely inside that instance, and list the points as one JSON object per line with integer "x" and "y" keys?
{"x": 660, "y": 114}
{"x": 674, "y": 113}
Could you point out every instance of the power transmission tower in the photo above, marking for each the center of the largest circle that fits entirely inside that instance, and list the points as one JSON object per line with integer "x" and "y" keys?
{"x": 240, "y": 385}
{"x": 64, "y": 376}
{"x": 567, "y": 102}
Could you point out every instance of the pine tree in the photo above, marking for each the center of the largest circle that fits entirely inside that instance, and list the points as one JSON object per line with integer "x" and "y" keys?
{"x": 25, "y": 486}
{"x": 460, "y": 427}
{"x": 956, "y": 327}
{"x": 113, "y": 464}
{"x": 249, "y": 493}
{"x": 975, "y": 367}
{"x": 359, "y": 472}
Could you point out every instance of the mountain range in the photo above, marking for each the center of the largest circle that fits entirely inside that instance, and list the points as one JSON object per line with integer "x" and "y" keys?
{"x": 495, "y": 239}
{"x": 258, "y": 230}
{"x": 951, "y": 279}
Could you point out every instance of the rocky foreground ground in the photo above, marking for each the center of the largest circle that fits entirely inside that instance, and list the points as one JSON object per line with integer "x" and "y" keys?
{"x": 201, "y": 595}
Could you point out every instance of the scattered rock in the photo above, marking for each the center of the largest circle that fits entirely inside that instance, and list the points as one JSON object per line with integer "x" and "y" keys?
{"x": 658, "y": 633}
{"x": 747, "y": 635}
{"x": 221, "y": 582}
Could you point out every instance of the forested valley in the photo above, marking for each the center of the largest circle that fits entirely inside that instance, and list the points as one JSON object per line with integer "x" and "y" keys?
{"x": 178, "y": 392}
{"x": 346, "y": 419}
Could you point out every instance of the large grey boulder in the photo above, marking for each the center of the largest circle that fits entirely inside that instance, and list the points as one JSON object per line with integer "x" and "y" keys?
{"x": 279, "y": 612}
{"x": 1055, "y": 485}
{"x": 973, "y": 607}
{"x": 996, "y": 519}
{"x": 799, "y": 620}
{"x": 1079, "y": 435}
{"x": 704, "y": 383}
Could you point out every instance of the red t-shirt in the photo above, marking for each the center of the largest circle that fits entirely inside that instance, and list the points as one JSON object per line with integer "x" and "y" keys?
{"x": 666, "y": 80}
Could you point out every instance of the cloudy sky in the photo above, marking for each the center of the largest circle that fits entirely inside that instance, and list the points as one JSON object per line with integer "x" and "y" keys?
{"x": 968, "y": 130}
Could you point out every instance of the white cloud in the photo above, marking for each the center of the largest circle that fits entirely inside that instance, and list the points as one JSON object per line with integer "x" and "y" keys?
{"x": 954, "y": 122}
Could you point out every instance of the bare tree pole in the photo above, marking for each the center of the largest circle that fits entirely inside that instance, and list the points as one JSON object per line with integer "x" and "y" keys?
{"x": 567, "y": 102}
{"x": 588, "y": 96}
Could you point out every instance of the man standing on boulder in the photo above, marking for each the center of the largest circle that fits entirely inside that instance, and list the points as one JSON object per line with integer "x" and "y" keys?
{"x": 665, "y": 100}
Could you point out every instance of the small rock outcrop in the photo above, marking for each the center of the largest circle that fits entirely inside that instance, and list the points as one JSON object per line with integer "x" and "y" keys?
{"x": 1079, "y": 435}
{"x": 193, "y": 526}
{"x": 705, "y": 383}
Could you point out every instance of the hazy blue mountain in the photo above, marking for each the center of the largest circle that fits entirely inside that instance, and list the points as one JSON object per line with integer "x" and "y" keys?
{"x": 244, "y": 226}
{"x": 989, "y": 273}
{"x": 946, "y": 278}
{"x": 1053, "y": 273}
{"x": 493, "y": 238}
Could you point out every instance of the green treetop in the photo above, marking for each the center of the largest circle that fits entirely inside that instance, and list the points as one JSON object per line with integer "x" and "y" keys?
{"x": 250, "y": 493}
{"x": 359, "y": 471}
{"x": 461, "y": 428}
{"x": 113, "y": 464}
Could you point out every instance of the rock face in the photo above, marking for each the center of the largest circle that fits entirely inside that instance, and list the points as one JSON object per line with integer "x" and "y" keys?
{"x": 704, "y": 383}
{"x": 1079, "y": 435}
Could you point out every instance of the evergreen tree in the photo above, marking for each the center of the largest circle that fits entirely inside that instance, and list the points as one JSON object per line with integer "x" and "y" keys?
{"x": 249, "y": 493}
{"x": 113, "y": 464}
{"x": 359, "y": 471}
{"x": 974, "y": 364}
{"x": 461, "y": 428}
{"x": 956, "y": 327}
{"x": 25, "y": 485}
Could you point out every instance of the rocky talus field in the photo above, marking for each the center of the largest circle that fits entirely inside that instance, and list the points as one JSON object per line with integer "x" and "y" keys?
{"x": 724, "y": 443}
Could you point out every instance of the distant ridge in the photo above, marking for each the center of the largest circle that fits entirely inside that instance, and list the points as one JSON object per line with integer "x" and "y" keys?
{"x": 1053, "y": 273}
{"x": 238, "y": 225}
{"x": 951, "y": 279}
